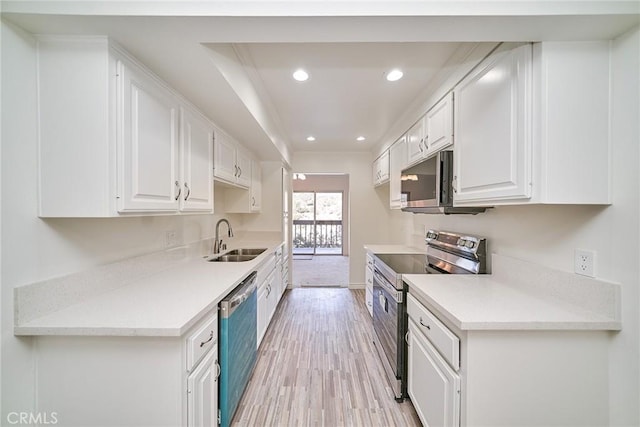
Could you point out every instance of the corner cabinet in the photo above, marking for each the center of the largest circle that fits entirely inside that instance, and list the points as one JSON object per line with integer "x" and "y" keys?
{"x": 113, "y": 140}
{"x": 532, "y": 125}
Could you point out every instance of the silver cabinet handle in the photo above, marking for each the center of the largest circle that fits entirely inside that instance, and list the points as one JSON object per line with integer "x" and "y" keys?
{"x": 179, "y": 190}
{"x": 454, "y": 184}
{"x": 253, "y": 201}
{"x": 204, "y": 342}
{"x": 218, "y": 369}
{"x": 426, "y": 326}
{"x": 239, "y": 171}
{"x": 187, "y": 191}
{"x": 236, "y": 170}
{"x": 406, "y": 338}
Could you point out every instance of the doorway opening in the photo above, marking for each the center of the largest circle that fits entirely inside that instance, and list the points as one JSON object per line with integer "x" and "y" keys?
{"x": 320, "y": 229}
{"x": 317, "y": 223}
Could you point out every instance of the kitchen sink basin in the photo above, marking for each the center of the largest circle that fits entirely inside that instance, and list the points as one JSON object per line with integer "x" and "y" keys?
{"x": 246, "y": 251}
{"x": 232, "y": 258}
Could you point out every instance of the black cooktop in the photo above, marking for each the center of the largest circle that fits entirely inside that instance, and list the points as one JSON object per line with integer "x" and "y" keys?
{"x": 403, "y": 263}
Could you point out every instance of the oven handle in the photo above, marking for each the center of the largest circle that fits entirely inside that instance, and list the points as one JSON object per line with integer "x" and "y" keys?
{"x": 388, "y": 287}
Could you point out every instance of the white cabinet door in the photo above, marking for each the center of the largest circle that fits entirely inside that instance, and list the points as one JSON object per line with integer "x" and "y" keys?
{"x": 202, "y": 392}
{"x": 256, "y": 186}
{"x": 243, "y": 163}
{"x": 381, "y": 169}
{"x": 492, "y": 128}
{"x": 415, "y": 143}
{"x": 397, "y": 161}
{"x": 438, "y": 125}
{"x": 433, "y": 386}
{"x": 262, "y": 310}
{"x": 197, "y": 163}
{"x": 224, "y": 158}
{"x": 148, "y": 145}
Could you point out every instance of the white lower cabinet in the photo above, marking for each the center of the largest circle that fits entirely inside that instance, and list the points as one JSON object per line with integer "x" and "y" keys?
{"x": 434, "y": 388}
{"x": 130, "y": 380}
{"x": 368, "y": 276}
{"x": 493, "y": 376}
{"x": 202, "y": 392}
{"x": 269, "y": 292}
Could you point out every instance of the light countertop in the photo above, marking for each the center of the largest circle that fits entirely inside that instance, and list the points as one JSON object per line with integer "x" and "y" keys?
{"x": 520, "y": 296}
{"x": 393, "y": 249}
{"x": 166, "y": 302}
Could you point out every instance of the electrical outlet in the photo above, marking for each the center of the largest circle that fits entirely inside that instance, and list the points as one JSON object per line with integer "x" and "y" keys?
{"x": 584, "y": 262}
{"x": 170, "y": 239}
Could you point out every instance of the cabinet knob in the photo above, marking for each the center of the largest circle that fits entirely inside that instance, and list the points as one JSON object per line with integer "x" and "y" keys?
{"x": 179, "y": 190}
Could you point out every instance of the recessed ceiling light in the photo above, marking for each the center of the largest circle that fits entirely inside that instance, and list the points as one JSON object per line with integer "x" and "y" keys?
{"x": 394, "y": 75}
{"x": 300, "y": 75}
{"x": 360, "y": 138}
{"x": 311, "y": 138}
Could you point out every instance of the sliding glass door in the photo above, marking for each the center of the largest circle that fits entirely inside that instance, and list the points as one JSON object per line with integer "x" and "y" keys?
{"x": 317, "y": 223}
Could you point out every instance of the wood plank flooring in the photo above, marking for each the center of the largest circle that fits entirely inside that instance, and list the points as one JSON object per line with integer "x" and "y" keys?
{"x": 317, "y": 367}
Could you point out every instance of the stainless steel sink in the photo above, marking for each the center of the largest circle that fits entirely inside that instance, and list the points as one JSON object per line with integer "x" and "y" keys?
{"x": 232, "y": 258}
{"x": 246, "y": 251}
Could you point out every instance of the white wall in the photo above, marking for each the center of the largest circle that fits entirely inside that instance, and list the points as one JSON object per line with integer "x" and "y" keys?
{"x": 368, "y": 212}
{"x": 548, "y": 235}
{"x": 34, "y": 249}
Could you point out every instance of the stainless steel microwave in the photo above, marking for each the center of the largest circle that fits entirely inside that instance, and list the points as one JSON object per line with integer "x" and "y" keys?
{"x": 427, "y": 187}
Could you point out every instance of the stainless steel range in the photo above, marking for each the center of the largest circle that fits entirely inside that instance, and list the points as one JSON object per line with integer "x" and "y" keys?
{"x": 446, "y": 253}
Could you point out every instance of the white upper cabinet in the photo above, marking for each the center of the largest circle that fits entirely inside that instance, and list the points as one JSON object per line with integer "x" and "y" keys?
{"x": 232, "y": 163}
{"x": 381, "y": 169}
{"x": 242, "y": 200}
{"x": 148, "y": 149}
{"x": 432, "y": 133}
{"x": 493, "y": 139}
{"x": 438, "y": 125}
{"x": 532, "y": 125}
{"x": 416, "y": 149}
{"x": 112, "y": 140}
{"x": 196, "y": 145}
{"x": 397, "y": 162}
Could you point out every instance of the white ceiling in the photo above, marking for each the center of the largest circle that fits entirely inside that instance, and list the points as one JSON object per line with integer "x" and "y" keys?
{"x": 347, "y": 94}
{"x": 236, "y": 68}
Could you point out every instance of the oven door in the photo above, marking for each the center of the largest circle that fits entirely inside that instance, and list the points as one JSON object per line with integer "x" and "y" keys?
{"x": 388, "y": 325}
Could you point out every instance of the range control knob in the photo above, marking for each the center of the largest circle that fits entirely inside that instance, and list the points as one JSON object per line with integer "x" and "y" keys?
{"x": 461, "y": 242}
{"x": 471, "y": 244}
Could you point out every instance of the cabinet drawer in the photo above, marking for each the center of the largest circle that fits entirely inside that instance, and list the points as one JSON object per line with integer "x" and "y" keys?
{"x": 369, "y": 261}
{"x": 447, "y": 344}
{"x": 201, "y": 341}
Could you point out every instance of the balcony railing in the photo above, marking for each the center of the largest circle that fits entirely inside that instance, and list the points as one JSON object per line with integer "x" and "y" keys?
{"x": 318, "y": 234}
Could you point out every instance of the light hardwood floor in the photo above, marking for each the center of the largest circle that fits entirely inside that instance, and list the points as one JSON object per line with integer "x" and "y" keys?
{"x": 317, "y": 367}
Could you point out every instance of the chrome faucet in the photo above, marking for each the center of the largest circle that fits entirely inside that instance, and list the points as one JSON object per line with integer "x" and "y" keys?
{"x": 218, "y": 245}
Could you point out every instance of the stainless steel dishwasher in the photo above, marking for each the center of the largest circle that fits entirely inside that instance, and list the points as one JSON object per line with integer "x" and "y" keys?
{"x": 237, "y": 351}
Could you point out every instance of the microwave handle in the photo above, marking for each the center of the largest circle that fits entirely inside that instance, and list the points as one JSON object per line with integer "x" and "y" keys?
{"x": 446, "y": 173}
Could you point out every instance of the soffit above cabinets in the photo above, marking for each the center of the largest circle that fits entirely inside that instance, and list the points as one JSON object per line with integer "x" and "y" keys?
{"x": 346, "y": 99}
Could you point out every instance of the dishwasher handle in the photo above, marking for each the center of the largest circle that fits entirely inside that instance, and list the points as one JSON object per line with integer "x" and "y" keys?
{"x": 239, "y": 295}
